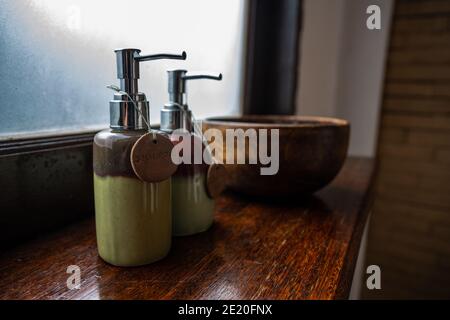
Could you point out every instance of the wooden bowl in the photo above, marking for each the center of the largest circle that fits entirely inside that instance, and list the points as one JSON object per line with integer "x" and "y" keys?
{"x": 312, "y": 150}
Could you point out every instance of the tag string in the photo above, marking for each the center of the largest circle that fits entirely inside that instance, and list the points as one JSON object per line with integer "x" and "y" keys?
{"x": 117, "y": 89}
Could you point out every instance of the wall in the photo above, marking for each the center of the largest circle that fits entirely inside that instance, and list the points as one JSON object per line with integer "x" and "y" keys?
{"x": 319, "y": 57}
{"x": 342, "y": 66}
{"x": 410, "y": 229}
{"x": 342, "y": 74}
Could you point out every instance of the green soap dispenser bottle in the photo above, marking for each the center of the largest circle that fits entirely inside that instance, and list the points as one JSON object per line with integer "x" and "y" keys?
{"x": 192, "y": 208}
{"x": 133, "y": 217}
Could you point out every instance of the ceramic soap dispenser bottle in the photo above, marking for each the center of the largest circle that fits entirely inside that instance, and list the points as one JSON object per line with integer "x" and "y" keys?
{"x": 133, "y": 217}
{"x": 192, "y": 207}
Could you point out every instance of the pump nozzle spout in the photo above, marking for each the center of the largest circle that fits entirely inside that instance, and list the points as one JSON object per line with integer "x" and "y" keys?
{"x": 176, "y": 114}
{"x": 129, "y": 110}
{"x": 128, "y": 66}
{"x": 158, "y": 56}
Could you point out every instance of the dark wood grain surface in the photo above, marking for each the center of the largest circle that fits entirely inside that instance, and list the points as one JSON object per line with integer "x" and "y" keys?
{"x": 298, "y": 249}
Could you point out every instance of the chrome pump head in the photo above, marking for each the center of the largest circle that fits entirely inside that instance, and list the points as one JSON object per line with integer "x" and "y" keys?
{"x": 122, "y": 112}
{"x": 176, "y": 114}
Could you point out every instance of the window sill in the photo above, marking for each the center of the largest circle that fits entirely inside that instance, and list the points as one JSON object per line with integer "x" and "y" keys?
{"x": 253, "y": 251}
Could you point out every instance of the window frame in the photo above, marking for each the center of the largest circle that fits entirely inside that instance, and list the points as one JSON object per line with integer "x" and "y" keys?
{"x": 273, "y": 52}
{"x": 51, "y": 212}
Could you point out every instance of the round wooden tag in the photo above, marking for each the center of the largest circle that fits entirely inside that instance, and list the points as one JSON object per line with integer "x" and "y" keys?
{"x": 216, "y": 180}
{"x": 151, "y": 158}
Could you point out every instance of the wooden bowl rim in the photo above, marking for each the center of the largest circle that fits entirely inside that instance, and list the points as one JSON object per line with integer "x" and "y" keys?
{"x": 258, "y": 121}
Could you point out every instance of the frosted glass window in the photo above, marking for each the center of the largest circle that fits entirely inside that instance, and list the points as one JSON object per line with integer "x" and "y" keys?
{"x": 56, "y": 57}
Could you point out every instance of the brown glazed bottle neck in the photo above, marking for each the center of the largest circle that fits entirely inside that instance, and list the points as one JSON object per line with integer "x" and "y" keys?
{"x": 111, "y": 152}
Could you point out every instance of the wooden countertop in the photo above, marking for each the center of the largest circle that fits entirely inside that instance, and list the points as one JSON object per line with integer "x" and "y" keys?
{"x": 303, "y": 249}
